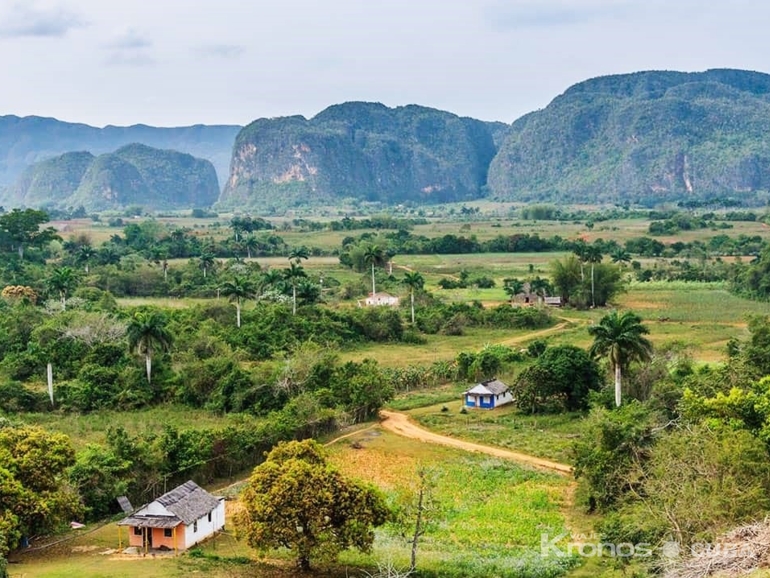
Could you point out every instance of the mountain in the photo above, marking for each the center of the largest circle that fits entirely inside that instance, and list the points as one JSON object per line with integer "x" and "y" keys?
{"x": 646, "y": 137}
{"x": 26, "y": 140}
{"x": 360, "y": 150}
{"x": 133, "y": 175}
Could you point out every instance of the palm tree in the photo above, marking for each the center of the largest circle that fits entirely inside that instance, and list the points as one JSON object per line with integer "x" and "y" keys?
{"x": 147, "y": 333}
{"x": 513, "y": 287}
{"x": 374, "y": 255}
{"x": 84, "y": 256}
{"x": 251, "y": 243}
{"x": 620, "y": 256}
{"x": 414, "y": 281}
{"x": 299, "y": 253}
{"x": 579, "y": 248}
{"x": 206, "y": 262}
{"x": 540, "y": 287}
{"x": 62, "y": 281}
{"x": 235, "y": 290}
{"x": 593, "y": 254}
{"x": 293, "y": 274}
{"x": 621, "y": 339}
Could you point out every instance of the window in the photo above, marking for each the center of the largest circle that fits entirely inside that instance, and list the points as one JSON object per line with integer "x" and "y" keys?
{"x": 167, "y": 533}
{"x": 209, "y": 516}
{"x": 137, "y": 531}
{"x": 195, "y": 526}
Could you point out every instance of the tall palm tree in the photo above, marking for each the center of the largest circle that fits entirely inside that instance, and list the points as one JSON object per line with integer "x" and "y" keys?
{"x": 299, "y": 253}
{"x": 147, "y": 333}
{"x": 621, "y": 339}
{"x": 414, "y": 281}
{"x": 251, "y": 243}
{"x": 374, "y": 256}
{"x": 579, "y": 249}
{"x": 593, "y": 255}
{"x": 84, "y": 256}
{"x": 235, "y": 290}
{"x": 293, "y": 274}
{"x": 62, "y": 281}
{"x": 206, "y": 262}
{"x": 620, "y": 256}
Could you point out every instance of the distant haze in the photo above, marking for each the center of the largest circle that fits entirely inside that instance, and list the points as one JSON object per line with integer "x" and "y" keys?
{"x": 181, "y": 62}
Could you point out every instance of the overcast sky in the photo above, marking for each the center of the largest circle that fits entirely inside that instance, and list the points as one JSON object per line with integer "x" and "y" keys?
{"x": 175, "y": 62}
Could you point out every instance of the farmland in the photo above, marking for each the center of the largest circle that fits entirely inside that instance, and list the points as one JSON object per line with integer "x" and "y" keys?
{"x": 493, "y": 510}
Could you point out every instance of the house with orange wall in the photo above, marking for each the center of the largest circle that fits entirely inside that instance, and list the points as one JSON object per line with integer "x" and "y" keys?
{"x": 177, "y": 520}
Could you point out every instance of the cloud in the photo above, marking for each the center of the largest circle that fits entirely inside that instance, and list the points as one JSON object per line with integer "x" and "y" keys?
{"x": 130, "y": 58}
{"x": 131, "y": 39}
{"x": 25, "y": 20}
{"x": 221, "y": 50}
{"x": 508, "y": 15}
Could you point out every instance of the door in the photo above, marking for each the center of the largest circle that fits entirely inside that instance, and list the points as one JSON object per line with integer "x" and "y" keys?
{"x": 149, "y": 537}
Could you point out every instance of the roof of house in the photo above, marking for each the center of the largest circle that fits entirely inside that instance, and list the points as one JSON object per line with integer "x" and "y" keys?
{"x": 489, "y": 387}
{"x": 380, "y": 295}
{"x": 187, "y": 503}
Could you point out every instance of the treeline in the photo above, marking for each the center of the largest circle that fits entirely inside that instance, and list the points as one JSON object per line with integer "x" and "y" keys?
{"x": 687, "y": 457}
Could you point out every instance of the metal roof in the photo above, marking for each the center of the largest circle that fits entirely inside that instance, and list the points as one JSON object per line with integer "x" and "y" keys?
{"x": 187, "y": 503}
{"x": 489, "y": 387}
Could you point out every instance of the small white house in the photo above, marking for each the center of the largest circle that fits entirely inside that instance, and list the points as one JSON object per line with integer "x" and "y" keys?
{"x": 488, "y": 395}
{"x": 381, "y": 298}
{"x": 177, "y": 520}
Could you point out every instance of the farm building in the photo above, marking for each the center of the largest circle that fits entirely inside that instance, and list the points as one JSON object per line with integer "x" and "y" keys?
{"x": 381, "y": 298}
{"x": 177, "y": 520}
{"x": 488, "y": 395}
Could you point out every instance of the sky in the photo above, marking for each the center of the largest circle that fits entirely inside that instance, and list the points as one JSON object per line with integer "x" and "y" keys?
{"x": 182, "y": 62}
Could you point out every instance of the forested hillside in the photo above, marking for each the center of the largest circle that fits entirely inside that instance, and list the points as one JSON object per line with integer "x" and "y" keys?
{"x": 361, "y": 150}
{"x": 646, "y": 138}
{"x": 133, "y": 175}
{"x": 26, "y": 140}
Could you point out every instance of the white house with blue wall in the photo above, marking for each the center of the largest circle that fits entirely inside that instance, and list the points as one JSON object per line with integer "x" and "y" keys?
{"x": 488, "y": 395}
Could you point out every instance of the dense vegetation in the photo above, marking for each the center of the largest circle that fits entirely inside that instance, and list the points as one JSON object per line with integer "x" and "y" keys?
{"x": 645, "y": 138}
{"x": 133, "y": 175}
{"x": 359, "y": 150}
{"x": 27, "y": 140}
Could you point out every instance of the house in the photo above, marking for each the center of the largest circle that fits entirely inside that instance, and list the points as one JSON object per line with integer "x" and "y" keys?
{"x": 381, "y": 298}
{"x": 488, "y": 395}
{"x": 177, "y": 520}
{"x": 553, "y": 301}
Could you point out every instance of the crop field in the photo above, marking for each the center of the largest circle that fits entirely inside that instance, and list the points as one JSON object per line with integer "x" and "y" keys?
{"x": 492, "y": 511}
{"x": 546, "y": 436}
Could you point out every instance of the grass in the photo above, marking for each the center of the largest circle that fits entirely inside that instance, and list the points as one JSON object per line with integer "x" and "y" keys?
{"x": 545, "y": 436}
{"x": 493, "y": 511}
{"x": 92, "y": 427}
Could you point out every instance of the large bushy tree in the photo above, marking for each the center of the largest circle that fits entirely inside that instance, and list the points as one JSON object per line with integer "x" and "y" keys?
{"x": 296, "y": 500}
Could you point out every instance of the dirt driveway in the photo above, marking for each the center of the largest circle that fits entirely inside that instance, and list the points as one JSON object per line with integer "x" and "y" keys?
{"x": 400, "y": 424}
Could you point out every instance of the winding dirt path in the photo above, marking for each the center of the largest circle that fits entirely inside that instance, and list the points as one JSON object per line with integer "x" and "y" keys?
{"x": 399, "y": 423}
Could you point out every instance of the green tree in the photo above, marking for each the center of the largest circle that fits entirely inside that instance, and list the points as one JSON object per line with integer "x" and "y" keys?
{"x": 374, "y": 256}
{"x": 593, "y": 255}
{"x": 566, "y": 275}
{"x": 293, "y": 274}
{"x": 296, "y": 500}
{"x": 620, "y": 256}
{"x": 297, "y": 254}
{"x": 147, "y": 334}
{"x": 206, "y": 262}
{"x": 235, "y": 291}
{"x": 415, "y": 282}
{"x": 513, "y": 287}
{"x": 621, "y": 339}
{"x": 34, "y": 495}
{"x": 62, "y": 280}
{"x": 85, "y": 255}
{"x": 250, "y": 243}
{"x": 22, "y": 229}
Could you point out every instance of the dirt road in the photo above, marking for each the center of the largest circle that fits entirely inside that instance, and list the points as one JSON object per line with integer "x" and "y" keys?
{"x": 400, "y": 424}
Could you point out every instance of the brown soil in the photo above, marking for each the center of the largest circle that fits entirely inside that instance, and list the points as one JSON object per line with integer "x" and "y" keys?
{"x": 400, "y": 424}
